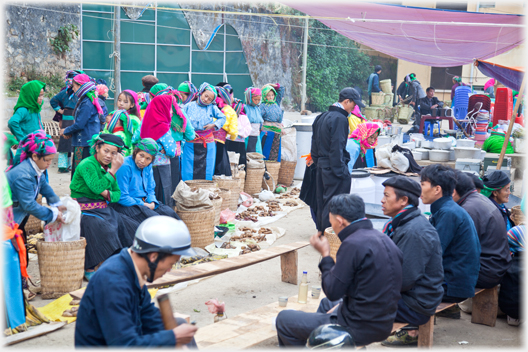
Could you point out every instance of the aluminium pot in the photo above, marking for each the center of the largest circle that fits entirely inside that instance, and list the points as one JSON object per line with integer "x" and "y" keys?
{"x": 439, "y": 155}
{"x": 442, "y": 143}
{"x": 467, "y": 153}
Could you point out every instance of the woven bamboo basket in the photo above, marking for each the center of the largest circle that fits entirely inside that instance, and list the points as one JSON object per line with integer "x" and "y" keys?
{"x": 334, "y": 241}
{"x": 234, "y": 186}
{"x": 286, "y": 172}
{"x": 61, "y": 266}
{"x": 242, "y": 177}
{"x": 34, "y": 225}
{"x": 200, "y": 224}
{"x": 517, "y": 215}
{"x": 253, "y": 180}
{"x": 273, "y": 168}
{"x": 202, "y": 184}
{"x": 217, "y": 204}
{"x": 226, "y": 198}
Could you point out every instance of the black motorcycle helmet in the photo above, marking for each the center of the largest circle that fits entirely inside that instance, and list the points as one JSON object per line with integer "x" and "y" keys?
{"x": 330, "y": 336}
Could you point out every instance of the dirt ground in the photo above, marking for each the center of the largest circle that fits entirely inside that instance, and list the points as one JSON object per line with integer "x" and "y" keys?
{"x": 260, "y": 284}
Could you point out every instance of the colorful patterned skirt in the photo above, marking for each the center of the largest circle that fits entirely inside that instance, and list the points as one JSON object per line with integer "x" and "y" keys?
{"x": 79, "y": 154}
{"x": 270, "y": 136}
{"x": 199, "y": 157}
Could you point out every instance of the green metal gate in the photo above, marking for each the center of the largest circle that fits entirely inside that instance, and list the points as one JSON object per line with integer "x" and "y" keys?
{"x": 159, "y": 43}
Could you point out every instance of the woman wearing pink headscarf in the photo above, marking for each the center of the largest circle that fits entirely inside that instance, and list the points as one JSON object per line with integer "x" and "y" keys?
{"x": 364, "y": 137}
{"x": 86, "y": 116}
{"x": 488, "y": 88}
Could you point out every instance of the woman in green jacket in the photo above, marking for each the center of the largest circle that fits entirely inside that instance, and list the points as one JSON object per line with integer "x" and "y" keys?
{"x": 26, "y": 118}
{"x": 94, "y": 186}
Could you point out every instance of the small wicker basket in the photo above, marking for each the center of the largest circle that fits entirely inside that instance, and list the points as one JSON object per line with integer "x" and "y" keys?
{"x": 33, "y": 224}
{"x": 217, "y": 204}
{"x": 273, "y": 167}
{"x": 253, "y": 180}
{"x": 226, "y": 198}
{"x": 334, "y": 241}
{"x": 200, "y": 224}
{"x": 517, "y": 215}
{"x": 286, "y": 172}
{"x": 234, "y": 186}
{"x": 242, "y": 177}
{"x": 201, "y": 184}
{"x": 61, "y": 266}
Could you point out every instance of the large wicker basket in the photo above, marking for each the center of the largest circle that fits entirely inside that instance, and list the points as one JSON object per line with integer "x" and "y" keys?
{"x": 334, "y": 241}
{"x": 253, "y": 180}
{"x": 217, "y": 204}
{"x": 286, "y": 172}
{"x": 242, "y": 177}
{"x": 234, "y": 186}
{"x": 61, "y": 266}
{"x": 33, "y": 224}
{"x": 202, "y": 184}
{"x": 273, "y": 168}
{"x": 517, "y": 215}
{"x": 200, "y": 224}
{"x": 226, "y": 198}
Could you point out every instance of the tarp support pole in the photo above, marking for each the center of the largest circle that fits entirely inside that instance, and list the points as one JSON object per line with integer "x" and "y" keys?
{"x": 304, "y": 64}
{"x": 117, "y": 51}
{"x": 510, "y": 126}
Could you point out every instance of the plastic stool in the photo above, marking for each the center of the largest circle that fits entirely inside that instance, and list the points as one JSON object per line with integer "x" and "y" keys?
{"x": 429, "y": 125}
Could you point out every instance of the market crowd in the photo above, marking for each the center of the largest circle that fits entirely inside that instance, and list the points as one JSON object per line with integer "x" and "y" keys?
{"x": 125, "y": 164}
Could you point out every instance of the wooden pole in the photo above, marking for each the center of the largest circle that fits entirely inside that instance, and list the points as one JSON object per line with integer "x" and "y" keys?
{"x": 117, "y": 52}
{"x": 510, "y": 126}
{"x": 304, "y": 68}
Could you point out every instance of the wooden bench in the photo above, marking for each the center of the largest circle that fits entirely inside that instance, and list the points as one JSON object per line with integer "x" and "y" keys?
{"x": 287, "y": 252}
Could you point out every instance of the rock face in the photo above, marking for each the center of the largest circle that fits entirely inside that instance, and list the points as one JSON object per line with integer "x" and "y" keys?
{"x": 270, "y": 55}
{"x": 28, "y": 31}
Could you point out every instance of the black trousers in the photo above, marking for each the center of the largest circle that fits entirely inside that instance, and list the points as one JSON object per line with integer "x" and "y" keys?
{"x": 328, "y": 185}
{"x": 294, "y": 327}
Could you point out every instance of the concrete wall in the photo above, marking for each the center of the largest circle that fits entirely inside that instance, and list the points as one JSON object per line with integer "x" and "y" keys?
{"x": 47, "y": 112}
{"x": 28, "y": 32}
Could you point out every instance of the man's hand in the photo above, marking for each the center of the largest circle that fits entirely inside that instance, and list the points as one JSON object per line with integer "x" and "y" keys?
{"x": 411, "y": 103}
{"x": 60, "y": 218}
{"x": 434, "y": 106}
{"x": 116, "y": 163}
{"x": 320, "y": 244}
{"x": 184, "y": 333}
{"x": 209, "y": 126}
{"x": 334, "y": 308}
{"x": 309, "y": 163}
{"x": 151, "y": 206}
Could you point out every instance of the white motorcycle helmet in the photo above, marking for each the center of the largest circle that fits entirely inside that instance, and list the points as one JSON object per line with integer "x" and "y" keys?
{"x": 162, "y": 234}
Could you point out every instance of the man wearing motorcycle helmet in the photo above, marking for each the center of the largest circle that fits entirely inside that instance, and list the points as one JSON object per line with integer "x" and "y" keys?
{"x": 116, "y": 308}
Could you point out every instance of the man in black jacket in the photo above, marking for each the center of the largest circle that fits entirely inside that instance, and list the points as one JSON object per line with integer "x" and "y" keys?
{"x": 364, "y": 283}
{"x": 422, "y": 271}
{"x": 495, "y": 258}
{"x": 328, "y": 151}
{"x": 429, "y": 102}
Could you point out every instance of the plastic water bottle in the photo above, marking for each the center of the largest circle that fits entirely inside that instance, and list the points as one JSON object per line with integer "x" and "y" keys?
{"x": 303, "y": 288}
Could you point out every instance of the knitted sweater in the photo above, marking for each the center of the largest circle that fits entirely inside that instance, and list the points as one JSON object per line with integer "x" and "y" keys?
{"x": 90, "y": 180}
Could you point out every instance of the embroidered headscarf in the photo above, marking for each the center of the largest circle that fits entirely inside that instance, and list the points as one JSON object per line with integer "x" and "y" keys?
{"x": 158, "y": 89}
{"x": 129, "y": 125}
{"x": 28, "y": 97}
{"x": 494, "y": 182}
{"x": 265, "y": 92}
{"x": 157, "y": 119}
{"x": 206, "y": 86}
{"x": 188, "y": 88}
{"x": 457, "y": 79}
{"x": 249, "y": 93}
{"x": 224, "y": 95}
{"x": 239, "y": 107}
{"x": 69, "y": 76}
{"x": 105, "y": 138}
{"x": 135, "y": 96}
{"x": 516, "y": 237}
{"x": 177, "y": 95}
{"x": 87, "y": 88}
{"x": 148, "y": 145}
{"x": 38, "y": 143}
{"x": 362, "y": 133}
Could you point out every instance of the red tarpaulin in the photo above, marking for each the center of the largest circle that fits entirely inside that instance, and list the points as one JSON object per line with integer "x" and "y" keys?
{"x": 424, "y": 43}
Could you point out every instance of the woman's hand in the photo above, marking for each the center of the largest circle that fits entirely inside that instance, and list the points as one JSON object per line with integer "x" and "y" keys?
{"x": 116, "y": 163}
{"x": 60, "y": 111}
{"x": 162, "y": 151}
{"x": 209, "y": 126}
{"x": 105, "y": 194}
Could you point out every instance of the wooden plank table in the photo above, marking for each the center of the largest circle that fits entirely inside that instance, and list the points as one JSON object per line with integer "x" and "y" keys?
{"x": 287, "y": 252}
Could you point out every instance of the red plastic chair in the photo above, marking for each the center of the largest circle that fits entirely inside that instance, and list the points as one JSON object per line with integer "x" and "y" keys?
{"x": 503, "y": 105}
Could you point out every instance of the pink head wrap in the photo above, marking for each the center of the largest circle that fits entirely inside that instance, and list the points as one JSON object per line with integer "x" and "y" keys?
{"x": 362, "y": 133}
{"x": 101, "y": 89}
{"x": 81, "y": 79}
{"x": 135, "y": 96}
{"x": 489, "y": 83}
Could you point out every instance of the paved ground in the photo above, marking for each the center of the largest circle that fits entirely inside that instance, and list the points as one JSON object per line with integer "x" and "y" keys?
{"x": 260, "y": 284}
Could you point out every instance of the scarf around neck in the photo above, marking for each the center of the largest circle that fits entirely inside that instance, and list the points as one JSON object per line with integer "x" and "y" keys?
{"x": 265, "y": 92}
{"x": 206, "y": 86}
{"x": 399, "y": 219}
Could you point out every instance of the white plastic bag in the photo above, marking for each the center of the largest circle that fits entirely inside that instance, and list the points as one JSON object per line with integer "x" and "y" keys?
{"x": 266, "y": 195}
{"x": 289, "y": 144}
{"x": 71, "y": 229}
{"x": 399, "y": 162}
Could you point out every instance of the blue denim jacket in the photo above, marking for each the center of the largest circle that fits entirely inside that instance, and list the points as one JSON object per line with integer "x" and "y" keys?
{"x": 24, "y": 191}
{"x": 86, "y": 124}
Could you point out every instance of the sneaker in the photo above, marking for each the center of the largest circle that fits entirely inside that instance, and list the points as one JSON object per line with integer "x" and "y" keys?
{"x": 451, "y": 313}
{"x": 400, "y": 338}
{"x": 513, "y": 322}
{"x": 466, "y": 306}
{"x": 88, "y": 275}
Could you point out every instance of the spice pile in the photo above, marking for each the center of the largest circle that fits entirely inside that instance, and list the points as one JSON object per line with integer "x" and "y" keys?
{"x": 294, "y": 193}
{"x": 249, "y": 248}
{"x": 32, "y": 242}
{"x": 252, "y": 234}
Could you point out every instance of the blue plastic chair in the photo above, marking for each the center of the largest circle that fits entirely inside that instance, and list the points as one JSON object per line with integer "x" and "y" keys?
{"x": 429, "y": 127}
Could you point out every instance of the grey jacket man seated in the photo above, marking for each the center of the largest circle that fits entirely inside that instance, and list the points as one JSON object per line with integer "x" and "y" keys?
{"x": 362, "y": 286}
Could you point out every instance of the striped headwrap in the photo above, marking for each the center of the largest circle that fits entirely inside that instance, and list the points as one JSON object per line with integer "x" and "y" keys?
{"x": 177, "y": 95}
{"x": 249, "y": 93}
{"x": 516, "y": 239}
{"x": 105, "y": 138}
{"x": 188, "y": 88}
{"x": 265, "y": 91}
{"x": 362, "y": 133}
{"x": 128, "y": 123}
{"x": 87, "y": 88}
{"x": 38, "y": 143}
{"x": 206, "y": 86}
{"x": 224, "y": 95}
{"x": 457, "y": 79}
{"x": 238, "y": 106}
{"x": 148, "y": 145}
{"x": 158, "y": 89}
